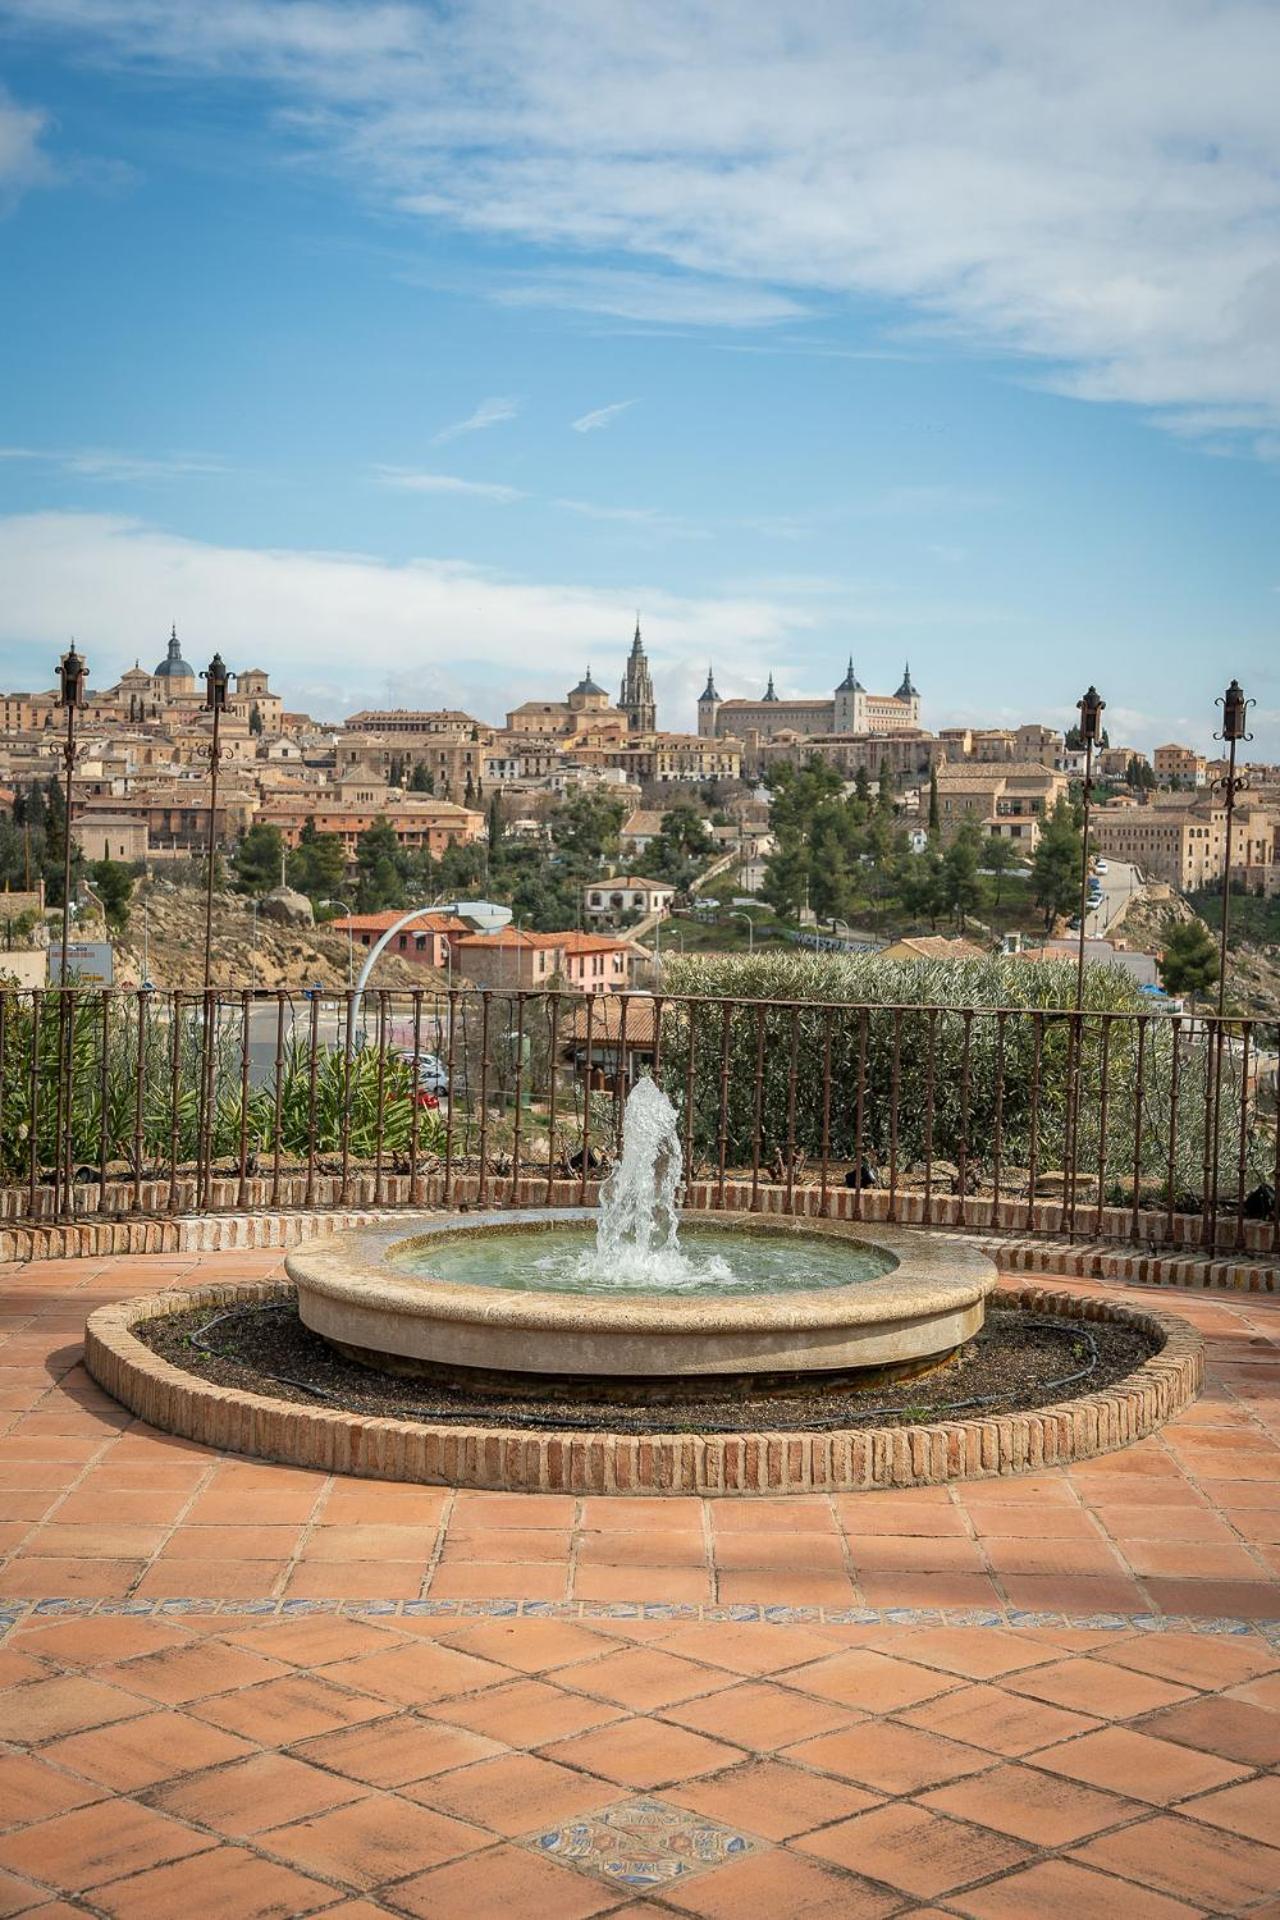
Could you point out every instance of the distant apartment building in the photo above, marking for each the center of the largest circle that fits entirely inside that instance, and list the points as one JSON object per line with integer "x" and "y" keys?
{"x": 907, "y": 755}
{"x": 421, "y": 823}
{"x": 1006, "y": 801}
{"x": 1184, "y": 842}
{"x": 1178, "y": 766}
{"x": 527, "y": 962}
{"x": 626, "y": 893}
{"x": 426, "y": 939}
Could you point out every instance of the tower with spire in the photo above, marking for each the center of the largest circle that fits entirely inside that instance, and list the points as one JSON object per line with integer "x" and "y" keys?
{"x": 850, "y": 714}
{"x": 636, "y": 698}
{"x": 708, "y": 707}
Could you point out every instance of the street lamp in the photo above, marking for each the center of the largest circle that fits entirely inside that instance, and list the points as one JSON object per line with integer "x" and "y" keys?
{"x": 1235, "y": 712}
{"x": 73, "y": 671}
{"x": 738, "y": 914}
{"x": 1090, "y": 711}
{"x": 216, "y": 681}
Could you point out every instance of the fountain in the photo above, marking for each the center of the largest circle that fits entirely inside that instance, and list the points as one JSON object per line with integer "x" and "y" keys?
{"x": 638, "y": 1294}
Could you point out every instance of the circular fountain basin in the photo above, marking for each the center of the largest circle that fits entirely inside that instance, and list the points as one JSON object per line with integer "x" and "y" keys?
{"x": 804, "y": 1297}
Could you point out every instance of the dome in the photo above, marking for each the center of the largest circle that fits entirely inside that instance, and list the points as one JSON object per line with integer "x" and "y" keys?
{"x": 709, "y": 691}
{"x": 851, "y": 682}
{"x": 588, "y": 685}
{"x": 173, "y": 666}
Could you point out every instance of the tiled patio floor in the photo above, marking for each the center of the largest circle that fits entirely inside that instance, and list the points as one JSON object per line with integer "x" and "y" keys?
{"x": 270, "y": 1692}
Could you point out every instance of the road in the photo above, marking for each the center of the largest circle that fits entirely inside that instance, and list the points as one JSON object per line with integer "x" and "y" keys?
{"x": 1119, "y": 882}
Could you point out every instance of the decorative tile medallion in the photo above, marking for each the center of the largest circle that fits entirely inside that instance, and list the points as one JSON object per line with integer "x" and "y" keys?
{"x": 644, "y": 1844}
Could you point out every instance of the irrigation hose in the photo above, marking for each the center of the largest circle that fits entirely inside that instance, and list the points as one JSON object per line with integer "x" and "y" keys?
{"x": 1071, "y": 1330}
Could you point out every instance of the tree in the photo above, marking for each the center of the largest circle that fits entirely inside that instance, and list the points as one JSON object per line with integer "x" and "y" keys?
{"x": 924, "y": 886}
{"x": 318, "y": 864}
{"x": 1073, "y": 740}
{"x": 1140, "y": 774}
{"x": 422, "y": 780}
{"x": 999, "y": 859}
{"x": 934, "y": 819}
{"x": 496, "y": 826}
{"x": 255, "y": 719}
{"x": 884, "y": 792}
{"x": 1055, "y": 870}
{"x": 960, "y": 887}
{"x": 861, "y": 784}
{"x": 682, "y": 845}
{"x": 585, "y": 830}
{"x": 469, "y": 791}
{"x": 1189, "y": 963}
{"x": 113, "y": 883}
{"x": 257, "y": 859}
{"x": 379, "y": 870}
{"x": 786, "y": 878}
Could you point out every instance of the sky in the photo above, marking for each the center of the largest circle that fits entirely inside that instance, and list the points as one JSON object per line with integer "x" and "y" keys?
{"x": 411, "y": 350}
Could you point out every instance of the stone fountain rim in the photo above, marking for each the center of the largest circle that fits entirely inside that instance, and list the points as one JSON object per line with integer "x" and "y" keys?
{"x": 934, "y": 1274}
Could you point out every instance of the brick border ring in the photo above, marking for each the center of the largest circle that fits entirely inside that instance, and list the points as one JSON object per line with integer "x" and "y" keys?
{"x": 854, "y": 1461}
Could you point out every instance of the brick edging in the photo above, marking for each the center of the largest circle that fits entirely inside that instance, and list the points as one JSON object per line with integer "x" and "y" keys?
{"x": 506, "y": 1460}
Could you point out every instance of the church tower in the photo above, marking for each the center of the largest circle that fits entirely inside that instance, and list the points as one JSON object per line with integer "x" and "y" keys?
{"x": 636, "y": 699}
{"x": 708, "y": 708}
{"x": 850, "y": 715}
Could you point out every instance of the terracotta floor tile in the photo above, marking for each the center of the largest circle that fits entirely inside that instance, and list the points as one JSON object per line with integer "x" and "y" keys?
{"x": 912, "y": 1553}
{"x": 747, "y": 1646}
{"x": 987, "y": 1716}
{"x": 358, "y": 1580}
{"x": 975, "y": 1653}
{"x": 678, "y": 1585}
{"x": 1251, "y": 1809}
{"x": 135, "y": 1476}
{"x": 889, "y": 1758}
{"x": 101, "y": 1641}
{"x": 231, "y": 1883}
{"x": 536, "y": 1544}
{"x": 211, "y": 1579}
{"x": 761, "y": 1717}
{"x": 475, "y": 1512}
{"x": 30, "y": 1504}
{"x": 193, "y": 1670}
{"x": 772, "y": 1587}
{"x": 146, "y": 1506}
{"x": 862, "y": 1516}
{"x": 373, "y": 1541}
{"x": 600, "y": 1511}
{"x": 515, "y": 1793}
{"x": 1214, "y": 1599}
{"x": 467, "y": 1579}
{"x": 643, "y": 1754}
{"x": 928, "y": 1590}
{"x": 1233, "y": 1729}
{"x": 417, "y": 1672}
{"x": 1191, "y": 1559}
{"x": 372, "y": 1840}
{"x": 253, "y": 1476}
{"x": 1052, "y": 1521}
{"x": 525, "y": 1713}
{"x": 1095, "y": 1687}
{"x": 1020, "y": 1553}
{"x": 267, "y": 1791}
{"x": 77, "y": 1851}
{"x": 392, "y": 1753}
{"x": 1060, "y": 1890}
{"x": 794, "y": 1551}
{"x": 767, "y": 1885}
{"x": 138, "y": 1753}
{"x": 288, "y": 1508}
{"x": 1197, "y": 1659}
{"x": 20, "y": 1896}
{"x": 386, "y": 1502}
{"x": 654, "y": 1547}
{"x": 1137, "y": 1521}
{"x": 642, "y": 1678}
{"x": 914, "y": 1849}
{"x": 101, "y": 1541}
{"x": 231, "y": 1543}
{"x": 1061, "y": 1593}
{"x": 769, "y": 1798}
{"x": 16, "y": 1667}
{"x": 1218, "y": 1871}
{"x": 870, "y": 1682}
{"x": 1121, "y": 1760}
{"x": 506, "y": 1883}
{"x": 278, "y": 1712}
{"x": 1037, "y": 1807}
{"x": 319, "y": 1641}
{"x": 528, "y": 1646}
{"x": 31, "y": 1790}
{"x": 66, "y": 1703}
{"x": 1260, "y": 1693}
{"x": 40, "y": 1579}
{"x": 789, "y": 1513}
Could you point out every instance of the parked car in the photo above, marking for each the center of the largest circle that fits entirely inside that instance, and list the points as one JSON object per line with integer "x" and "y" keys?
{"x": 1100, "y": 866}
{"x": 433, "y": 1075}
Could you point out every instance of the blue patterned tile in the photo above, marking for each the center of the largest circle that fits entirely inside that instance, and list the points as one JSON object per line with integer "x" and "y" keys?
{"x": 63, "y": 1606}
{"x": 644, "y": 1844}
{"x": 430, "y": 1609}
{"x": 294, "y": 1607}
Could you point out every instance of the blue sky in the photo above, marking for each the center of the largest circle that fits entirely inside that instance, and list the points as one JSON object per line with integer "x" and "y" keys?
{"x": 407, "y": 350}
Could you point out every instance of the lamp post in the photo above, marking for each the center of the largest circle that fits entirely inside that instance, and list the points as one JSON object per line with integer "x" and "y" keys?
{"x": 216, "y": 681}
{"x": 1090, "y": 711}
{"x": 751, "y": 930}
{"x": 1235, "y": 711}
{"x": 73, "y": 671}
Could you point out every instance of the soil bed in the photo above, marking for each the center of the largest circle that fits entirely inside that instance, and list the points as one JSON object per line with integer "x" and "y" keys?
{"x": 1018, "y": 1362}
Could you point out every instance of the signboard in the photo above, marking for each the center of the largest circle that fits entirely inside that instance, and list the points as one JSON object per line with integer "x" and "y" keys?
{"x": 89, "y": 963}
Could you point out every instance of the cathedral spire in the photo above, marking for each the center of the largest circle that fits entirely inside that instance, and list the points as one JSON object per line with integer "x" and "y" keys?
{"x": 769, "y": 693}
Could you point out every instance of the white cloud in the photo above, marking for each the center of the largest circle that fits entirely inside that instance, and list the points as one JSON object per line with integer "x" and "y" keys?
{"x": 23, "y": 164}
{"x": 644, "y": 519}
{"x": 1096, "y": 187}
{"x": 411, "y": 482}
{"x": 600, "y": 417}
{"x": 101, "y": 463}
{"x": 655, "y": 299}
{"x": 490, "y": 413}
{"x": 342, "y": 627}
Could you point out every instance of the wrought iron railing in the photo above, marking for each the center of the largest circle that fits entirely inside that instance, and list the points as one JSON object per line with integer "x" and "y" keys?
{"x": 1094, "y": 1125}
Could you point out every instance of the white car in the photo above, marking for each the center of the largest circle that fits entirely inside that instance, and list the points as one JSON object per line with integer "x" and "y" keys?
{"x": 1099, "y": 866}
